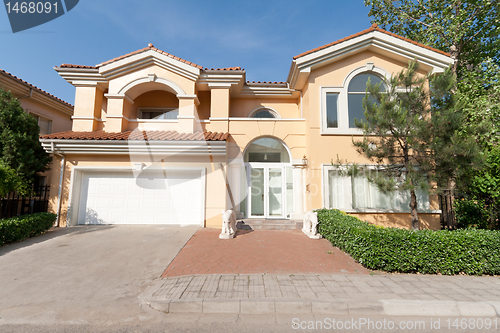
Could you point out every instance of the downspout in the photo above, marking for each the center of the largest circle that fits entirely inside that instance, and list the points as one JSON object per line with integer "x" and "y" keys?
{"x": 31, "y": 93}
{"x": 59, "y": 195}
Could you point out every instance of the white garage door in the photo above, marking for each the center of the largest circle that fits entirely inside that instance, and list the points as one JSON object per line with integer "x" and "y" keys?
{"x": 170, "y": 197}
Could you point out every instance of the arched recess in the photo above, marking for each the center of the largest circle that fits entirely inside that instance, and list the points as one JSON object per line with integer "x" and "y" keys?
{"x": 271, "y": 111}
{"x": 145, "y": 84}
{"x": 267, "y": 149}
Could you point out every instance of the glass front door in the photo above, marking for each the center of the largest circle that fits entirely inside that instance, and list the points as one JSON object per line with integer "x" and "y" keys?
{"x": 266, "y": 187}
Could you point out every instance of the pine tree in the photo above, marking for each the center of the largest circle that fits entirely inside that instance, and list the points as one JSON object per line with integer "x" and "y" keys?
{"x": 412, "y": 132}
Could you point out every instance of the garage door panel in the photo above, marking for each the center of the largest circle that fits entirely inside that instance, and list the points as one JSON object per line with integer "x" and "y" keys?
{"x": 119, "y": 198}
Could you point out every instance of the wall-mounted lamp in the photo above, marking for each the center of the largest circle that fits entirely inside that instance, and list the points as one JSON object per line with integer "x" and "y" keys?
{"x": 304, "y": 161}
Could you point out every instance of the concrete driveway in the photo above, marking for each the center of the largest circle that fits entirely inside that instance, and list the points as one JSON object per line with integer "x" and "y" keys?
{"x": 87, "y": 274}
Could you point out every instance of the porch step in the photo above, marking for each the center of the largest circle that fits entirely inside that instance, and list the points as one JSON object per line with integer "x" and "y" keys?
{"x": 268, "y": 224}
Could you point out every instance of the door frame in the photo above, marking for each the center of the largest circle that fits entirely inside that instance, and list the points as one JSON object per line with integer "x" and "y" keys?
{"x": 266, "y": 166}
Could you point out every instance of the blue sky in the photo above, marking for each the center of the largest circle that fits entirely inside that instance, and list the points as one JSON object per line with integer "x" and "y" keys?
{"x": 260, "y": 36}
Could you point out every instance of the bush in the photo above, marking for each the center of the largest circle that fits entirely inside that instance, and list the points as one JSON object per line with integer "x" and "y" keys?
{"x": 471, "y": 213}
{"x": 471, "y": 251}
{"x": 21, "y": 227}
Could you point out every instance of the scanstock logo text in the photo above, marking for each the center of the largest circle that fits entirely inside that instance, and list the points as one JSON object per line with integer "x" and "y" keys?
{"x": 28, "y": 14}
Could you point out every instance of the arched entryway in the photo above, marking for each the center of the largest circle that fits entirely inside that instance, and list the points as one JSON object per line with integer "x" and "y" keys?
{"x": 269, "y": 179}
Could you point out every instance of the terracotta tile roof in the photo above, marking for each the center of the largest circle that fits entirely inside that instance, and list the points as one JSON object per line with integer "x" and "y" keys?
{"x": 374, "y": 27}
{"x": 76, "y": 66}
{"x": 237, "y": 68}
{"x": 149, "y": 47}
{"x": 34, "y": 87}
{"x": 139, "y": 135}
{"x": 265, "y": 82}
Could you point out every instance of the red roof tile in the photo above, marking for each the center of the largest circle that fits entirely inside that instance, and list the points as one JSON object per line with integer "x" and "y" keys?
{"x": 374, "y": 27}
{"x": 76, "y": 66}
{"x": 237, "y": 68}
{"x": 150, "y": 47}
{"x": 265, "y": 82}
{"x": 139, "y": 135}
{"x": 34, "y": 87}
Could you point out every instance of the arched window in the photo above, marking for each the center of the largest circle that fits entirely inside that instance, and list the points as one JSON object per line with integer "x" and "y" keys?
{"x": 267, "y": 150}
{"x": 355, "y": 94}
{"x": 264, "y": 113}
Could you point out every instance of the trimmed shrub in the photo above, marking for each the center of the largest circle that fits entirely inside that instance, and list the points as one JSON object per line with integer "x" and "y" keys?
{"x": 469, "y": 251}
{"x": 21, "y": 227}
{"x": 471, "y": 213}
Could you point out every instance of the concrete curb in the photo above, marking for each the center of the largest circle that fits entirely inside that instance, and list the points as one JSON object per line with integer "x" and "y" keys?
{"x": 331, "y": 307}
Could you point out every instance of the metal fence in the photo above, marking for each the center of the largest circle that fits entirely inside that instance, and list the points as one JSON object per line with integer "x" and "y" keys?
{"x": 13, "y": 204}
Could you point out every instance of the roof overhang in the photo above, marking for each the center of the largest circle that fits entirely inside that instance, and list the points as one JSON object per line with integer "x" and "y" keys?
{"x": 376, "y": 41}
{"x": 147, "y": 58}
{"x": 128, "y": 147}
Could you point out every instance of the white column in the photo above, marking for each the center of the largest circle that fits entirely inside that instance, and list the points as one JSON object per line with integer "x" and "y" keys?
{"x": 298, "y": 193}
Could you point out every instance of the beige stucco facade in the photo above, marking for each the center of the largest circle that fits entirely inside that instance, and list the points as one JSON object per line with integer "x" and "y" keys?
{"x": 122, "y": 94}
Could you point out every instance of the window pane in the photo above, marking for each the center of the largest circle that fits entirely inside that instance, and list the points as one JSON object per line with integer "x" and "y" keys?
{"x": 336, "y": 188}
{"x": 356, "y": 110}
{"x": 358, "y": 83}
{"x": 266, "y": 150}
{"x": 159, "y": 114}
{"x": 263, "y": 114}
{"x": 45, "y": 125}
{"x": 331, "y": 110}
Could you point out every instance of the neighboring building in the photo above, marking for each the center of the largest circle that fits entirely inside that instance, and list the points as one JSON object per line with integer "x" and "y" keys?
{"x": 52, "y": 113}
{"x": 158, "y": 139}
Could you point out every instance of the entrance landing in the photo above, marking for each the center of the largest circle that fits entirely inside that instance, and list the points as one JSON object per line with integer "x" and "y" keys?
{"x": 260, "y": 251}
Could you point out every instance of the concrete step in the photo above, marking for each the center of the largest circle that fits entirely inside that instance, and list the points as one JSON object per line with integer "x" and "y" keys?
{"x": 268, "y": 224}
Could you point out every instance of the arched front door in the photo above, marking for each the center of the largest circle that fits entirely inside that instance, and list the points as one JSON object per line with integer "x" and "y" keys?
{"x": 269, "y": 179}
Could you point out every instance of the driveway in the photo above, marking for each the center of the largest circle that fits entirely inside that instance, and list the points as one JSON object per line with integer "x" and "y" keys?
{"x": 87, "y": 274}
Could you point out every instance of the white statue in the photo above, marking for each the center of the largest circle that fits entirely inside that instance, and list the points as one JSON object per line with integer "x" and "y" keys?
{"x": 228, "y": 224}
{"x": 310, "y": 227}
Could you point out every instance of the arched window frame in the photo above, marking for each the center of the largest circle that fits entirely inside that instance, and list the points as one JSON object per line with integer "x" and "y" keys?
{"x": 342, "y": 101}
{"x": 264, "y": 108}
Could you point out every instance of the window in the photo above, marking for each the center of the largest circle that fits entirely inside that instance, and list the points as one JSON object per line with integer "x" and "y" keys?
{"x": 332, "y": 101}
{"x": 264, "y": 113}
{"x": 357, "y": 193}
{"x": 267, "y": 150}
{"x": 159, "y": 114}
{"x": 44, "y": 124}
{"x": 342, "y": 105}
{"x": 356, "y": 92}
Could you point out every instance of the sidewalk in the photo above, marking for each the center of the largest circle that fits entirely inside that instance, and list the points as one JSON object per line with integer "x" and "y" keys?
{"x": 335, "y": 294}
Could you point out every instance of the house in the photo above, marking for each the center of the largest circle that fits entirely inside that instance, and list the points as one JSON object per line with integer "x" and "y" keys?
{"x": 52, "y": 113}
{"x": 159, "y": 139}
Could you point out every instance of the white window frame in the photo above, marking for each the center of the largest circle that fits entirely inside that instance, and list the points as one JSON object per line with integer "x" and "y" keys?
{"x": 347, "y": 197}
{"x": 147, "y": 109}
{"x": 342, "y": 107}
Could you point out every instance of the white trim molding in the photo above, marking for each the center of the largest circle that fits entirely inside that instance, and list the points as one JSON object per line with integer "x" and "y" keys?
{"x": 125, "y": 147}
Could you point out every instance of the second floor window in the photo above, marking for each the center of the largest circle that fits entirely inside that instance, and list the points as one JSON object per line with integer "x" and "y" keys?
{"x": 355, "y": 94}
{"x": 44, "y": 124}
{"x": 159, "y": 114}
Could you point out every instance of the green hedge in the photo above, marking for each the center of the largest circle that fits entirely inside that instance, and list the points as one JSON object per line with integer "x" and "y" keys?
{"x": 21, "y": 227}
{"x": 471, "y": 251}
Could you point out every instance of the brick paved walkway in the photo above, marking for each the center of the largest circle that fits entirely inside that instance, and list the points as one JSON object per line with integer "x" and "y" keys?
{"x": 260, "y": 251}
{"x": 334, "y": 287}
